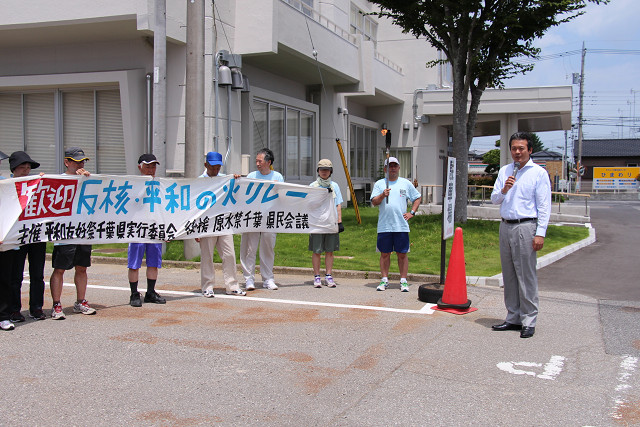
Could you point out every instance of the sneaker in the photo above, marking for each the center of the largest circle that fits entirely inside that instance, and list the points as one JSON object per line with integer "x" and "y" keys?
{"x": 83, "y": 307}
{"x": 208, "y": 293}
{"x": 270, "y": 284}
{"x": 404, "y": 287}
{"x": 56, "y": 312}
{"x": 317, "y": 283}
{"x": 16, "y": 317}
{"x": 6, "y": 325}
{"x": 37, "y": 314}
{"x": 135, "y": 300}
{"x": 329, "y": 281}
{"x": 382, "y": 286}
{"x": 239, "y": 292}
{"x": 154, "y": 297}
{"x": 250, "y": 286}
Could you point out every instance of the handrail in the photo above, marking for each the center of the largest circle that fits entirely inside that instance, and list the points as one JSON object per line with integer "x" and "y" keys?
{"x": 427, "y": 192}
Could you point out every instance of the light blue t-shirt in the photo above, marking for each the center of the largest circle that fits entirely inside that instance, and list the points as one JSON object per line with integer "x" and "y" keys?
{"x": 390, "y": 219}
{"x": 271, "y": 176}
{"x": 335, "y": 188}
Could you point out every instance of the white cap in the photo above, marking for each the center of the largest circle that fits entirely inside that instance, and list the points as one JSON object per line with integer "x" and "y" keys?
{"x": 391, "y": 160}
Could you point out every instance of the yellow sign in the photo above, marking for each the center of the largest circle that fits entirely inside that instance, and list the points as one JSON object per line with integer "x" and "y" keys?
{"x": 615, "y": 178}
{"x": 616, "y": 172}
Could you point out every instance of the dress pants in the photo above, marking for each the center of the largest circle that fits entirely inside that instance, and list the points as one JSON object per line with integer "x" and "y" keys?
{"x": 519, "y": 274}
{"x": 36, "y": 254}
{"x": 248, "y": 249}
{"x": 227, "y": 252}
{"x": 6, "y": 267}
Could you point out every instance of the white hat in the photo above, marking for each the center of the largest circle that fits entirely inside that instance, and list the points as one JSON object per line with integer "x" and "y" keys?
{"x": 391, "y": 160}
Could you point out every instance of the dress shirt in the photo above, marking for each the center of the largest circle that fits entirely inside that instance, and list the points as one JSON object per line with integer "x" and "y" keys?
{"x": 530, "y": 196}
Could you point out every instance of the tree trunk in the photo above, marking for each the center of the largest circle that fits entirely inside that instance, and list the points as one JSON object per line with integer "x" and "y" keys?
{"x": 460, "y": 148}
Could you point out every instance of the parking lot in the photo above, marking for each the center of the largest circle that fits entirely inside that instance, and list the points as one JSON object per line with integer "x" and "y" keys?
{"x": 306, "y": 356}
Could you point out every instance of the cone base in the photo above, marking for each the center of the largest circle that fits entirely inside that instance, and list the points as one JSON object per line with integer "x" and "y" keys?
{"x": 454, "y": 306}
{"x": 455, "y": 310}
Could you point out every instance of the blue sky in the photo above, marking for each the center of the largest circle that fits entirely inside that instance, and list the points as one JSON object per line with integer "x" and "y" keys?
{"x": 612, "y": 81}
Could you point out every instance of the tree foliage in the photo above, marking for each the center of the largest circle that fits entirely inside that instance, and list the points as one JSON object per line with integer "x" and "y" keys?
{"x": 492, "y": 159}
{"x": 536, "y": 143}
{"x": 483, "y": 40}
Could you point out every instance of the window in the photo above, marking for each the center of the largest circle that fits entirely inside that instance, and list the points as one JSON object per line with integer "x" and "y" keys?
{"x": 404, "y": 157}
{"x": 363, "y": 24}
{"x": 304, "y": 6}
{"x": 288, "y": 132}
{"x": 44, "y": 124}
{"x": 362, "y": 143}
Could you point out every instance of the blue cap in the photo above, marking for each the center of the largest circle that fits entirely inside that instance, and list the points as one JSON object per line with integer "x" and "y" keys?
{"x": 214, "y": 158}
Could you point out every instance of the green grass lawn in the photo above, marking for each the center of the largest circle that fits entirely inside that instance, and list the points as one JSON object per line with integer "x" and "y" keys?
{"x": 358, "y": 245}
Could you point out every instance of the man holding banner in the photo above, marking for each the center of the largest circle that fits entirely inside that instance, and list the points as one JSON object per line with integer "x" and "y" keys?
{"x": 224, "y": 243}
{"x": 393, "y": 221}
{"x": 68, "y": 256}
{"x": 147, "y": 164}
{"x": 6, "y": 264}
{"x": 266, "y": 240}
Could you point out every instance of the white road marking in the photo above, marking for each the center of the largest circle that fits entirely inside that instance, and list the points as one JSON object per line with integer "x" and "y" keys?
{"x": 551, "y": 369}
{"x": 628, "y": 366}
{"x": 427, "y": 309}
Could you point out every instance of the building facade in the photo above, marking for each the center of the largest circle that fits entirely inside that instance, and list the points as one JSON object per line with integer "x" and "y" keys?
{"x": 304, "y": 74}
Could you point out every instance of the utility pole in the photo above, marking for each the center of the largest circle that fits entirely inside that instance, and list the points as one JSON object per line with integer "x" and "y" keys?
{"x": 194, "y": 102}
{"x": 160, "y": 85}
{"x": 581, "y": 94}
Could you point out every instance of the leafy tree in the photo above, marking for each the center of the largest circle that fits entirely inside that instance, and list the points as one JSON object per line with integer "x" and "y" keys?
{"x": 492, "y": 159}
{"x": 536, "y": 143}
{"x": 482, "y": 40}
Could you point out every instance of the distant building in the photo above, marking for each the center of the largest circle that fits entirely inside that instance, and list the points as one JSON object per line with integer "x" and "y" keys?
{"x": 552, "y": 162}
{"x": 606, "y": 153}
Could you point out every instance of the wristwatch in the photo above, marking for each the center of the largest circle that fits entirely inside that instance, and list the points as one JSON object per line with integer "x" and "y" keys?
{"x": 413, "y": 212}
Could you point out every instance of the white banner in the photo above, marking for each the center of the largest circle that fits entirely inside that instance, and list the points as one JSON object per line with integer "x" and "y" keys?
{"x": 449, "y": 207}
{"x": 120, "y": 209}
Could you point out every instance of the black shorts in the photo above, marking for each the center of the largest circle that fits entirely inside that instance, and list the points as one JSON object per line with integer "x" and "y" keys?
{"x": 65, "y": 257}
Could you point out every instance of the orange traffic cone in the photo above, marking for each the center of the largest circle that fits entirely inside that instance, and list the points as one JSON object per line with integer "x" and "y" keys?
{"x": 454, "y": 295}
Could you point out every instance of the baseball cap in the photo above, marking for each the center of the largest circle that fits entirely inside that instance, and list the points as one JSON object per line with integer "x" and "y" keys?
{"x": 391, "y": 160}
{"x": 3, "y": 156}
{"x": 325, "y": 163}
{"x": 19, "y": 157}
{"x": 75, "y": 153}
{"x": 214, "y": 158}
{"x": 147, "y": 159}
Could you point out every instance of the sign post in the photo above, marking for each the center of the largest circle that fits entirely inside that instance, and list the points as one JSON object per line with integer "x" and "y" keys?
{"x": 448, "y": 207}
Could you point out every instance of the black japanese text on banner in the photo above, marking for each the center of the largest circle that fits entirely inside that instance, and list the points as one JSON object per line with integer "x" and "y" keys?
{"x": 120, "y": 209}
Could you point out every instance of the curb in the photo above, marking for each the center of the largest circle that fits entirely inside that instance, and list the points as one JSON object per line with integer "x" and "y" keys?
{"x": 494, "y": 281}
{"x": 547, "y": 259}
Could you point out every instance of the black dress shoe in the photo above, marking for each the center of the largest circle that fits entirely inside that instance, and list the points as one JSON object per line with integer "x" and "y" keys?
{"x": 527, "y": 332}
{"x": 506, "y": 326}
{"x": 154, "y": 297}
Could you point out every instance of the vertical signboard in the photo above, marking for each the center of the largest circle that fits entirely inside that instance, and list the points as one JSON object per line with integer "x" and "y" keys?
{"x": 449, "y": 206}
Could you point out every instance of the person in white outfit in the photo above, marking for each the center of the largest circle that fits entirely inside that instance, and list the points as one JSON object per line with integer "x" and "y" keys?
{"x": 267, "y": 241}
{"x": 224, "y": 243}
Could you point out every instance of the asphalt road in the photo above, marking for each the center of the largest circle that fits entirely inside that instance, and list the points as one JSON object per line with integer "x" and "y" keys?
{"x": 348, "y": 356}
{"x": 608, "y": 269}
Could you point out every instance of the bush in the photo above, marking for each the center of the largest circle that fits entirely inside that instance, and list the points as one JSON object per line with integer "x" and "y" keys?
{"x": 482, "y": 179}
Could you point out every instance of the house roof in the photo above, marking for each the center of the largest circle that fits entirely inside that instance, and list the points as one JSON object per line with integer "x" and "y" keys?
{"x": 547, "y": 155}
{"x": 609, "y": 147}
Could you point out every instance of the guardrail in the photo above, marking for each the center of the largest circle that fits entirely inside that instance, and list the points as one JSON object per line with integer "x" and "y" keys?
{"x": 482, "y": 194}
